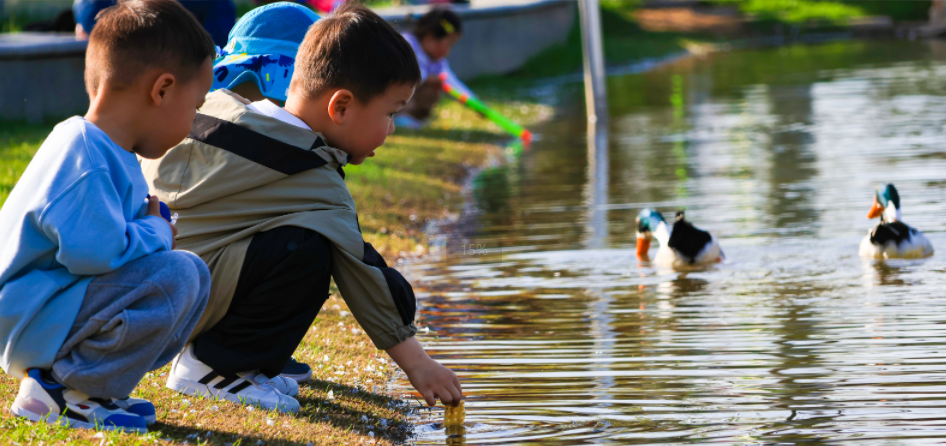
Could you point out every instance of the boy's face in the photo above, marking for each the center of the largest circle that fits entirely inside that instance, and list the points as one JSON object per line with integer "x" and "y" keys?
{"x": 371, "y": 123}
{"x": 172, "y": 120}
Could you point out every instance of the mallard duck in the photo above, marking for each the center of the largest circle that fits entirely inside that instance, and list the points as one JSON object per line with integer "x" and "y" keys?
{"x": 682, "y": 245}
{"x": 892, "y": 238}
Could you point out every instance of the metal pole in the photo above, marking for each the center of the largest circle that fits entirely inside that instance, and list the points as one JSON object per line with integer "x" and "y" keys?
{"x": 593, "y": 49}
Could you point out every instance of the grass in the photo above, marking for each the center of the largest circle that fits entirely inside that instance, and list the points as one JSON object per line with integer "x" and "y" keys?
{"x": 798, "y": 12}
{"x": 18, "y": 143}
{"x": 417, "y": 176}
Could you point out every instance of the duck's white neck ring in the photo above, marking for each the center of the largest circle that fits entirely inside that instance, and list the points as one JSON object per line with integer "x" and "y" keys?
{"x": 662, "y": 233}
{"x": 892, "y": 214}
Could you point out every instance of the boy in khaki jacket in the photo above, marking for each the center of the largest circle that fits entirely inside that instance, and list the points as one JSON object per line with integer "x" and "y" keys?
{"x": 261, "y": 195}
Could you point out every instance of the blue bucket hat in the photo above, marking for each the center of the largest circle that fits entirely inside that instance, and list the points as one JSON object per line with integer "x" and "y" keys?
{"x": 262, "y": 48}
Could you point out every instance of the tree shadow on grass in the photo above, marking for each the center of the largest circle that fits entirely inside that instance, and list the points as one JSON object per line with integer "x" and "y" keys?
{"x": 350, "y": 410}
{"x": 195, "y": 435}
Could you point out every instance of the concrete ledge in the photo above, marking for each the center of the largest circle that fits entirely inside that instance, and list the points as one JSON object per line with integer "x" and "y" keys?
{"x": 27, "y": 46}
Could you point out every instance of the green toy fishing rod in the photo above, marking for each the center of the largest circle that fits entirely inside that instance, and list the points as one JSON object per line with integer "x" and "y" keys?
{"x": 493, "y": 115}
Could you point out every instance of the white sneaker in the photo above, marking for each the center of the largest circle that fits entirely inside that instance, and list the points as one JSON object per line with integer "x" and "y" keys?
{"x": 284, "y": 385}
{"x": 43, "y": 399}
{"x": 192, "y": 377}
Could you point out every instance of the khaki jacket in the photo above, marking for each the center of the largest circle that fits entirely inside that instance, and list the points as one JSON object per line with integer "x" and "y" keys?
{"x": 240, "y": 172}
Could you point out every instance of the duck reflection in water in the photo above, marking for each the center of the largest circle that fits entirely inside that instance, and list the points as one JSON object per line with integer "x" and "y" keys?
{"x": 681, "y": 286}
{"x": 887, "y": 274}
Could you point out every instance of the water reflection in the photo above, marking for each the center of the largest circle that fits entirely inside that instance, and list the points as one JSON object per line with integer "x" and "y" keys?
{"x": 682, "y": 286}
{"x": 563, "y": 338}
{"x": 596, "y": 188}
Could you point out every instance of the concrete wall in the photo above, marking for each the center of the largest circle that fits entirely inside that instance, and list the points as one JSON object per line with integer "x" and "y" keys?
{"x": 42, "y": 76}
{"x": 43, "y": 73}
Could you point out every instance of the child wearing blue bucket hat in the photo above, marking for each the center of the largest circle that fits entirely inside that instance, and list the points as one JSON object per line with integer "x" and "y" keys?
{"x": 259, "y": 58}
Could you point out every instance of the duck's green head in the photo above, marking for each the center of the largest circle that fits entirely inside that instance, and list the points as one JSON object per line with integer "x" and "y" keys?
{"x": 647, "y": 221}
{"x": 886, "y": 203}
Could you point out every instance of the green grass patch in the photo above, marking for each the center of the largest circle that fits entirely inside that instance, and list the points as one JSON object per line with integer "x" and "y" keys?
{"x": 799, "y": 12}
{"x": 18, "y": 143}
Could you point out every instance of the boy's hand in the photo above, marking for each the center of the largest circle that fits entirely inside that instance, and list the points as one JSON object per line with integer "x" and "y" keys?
{"x": 154, "y": 208}
{"x": 434, "y": 382}
{"x": 428, "y": 377}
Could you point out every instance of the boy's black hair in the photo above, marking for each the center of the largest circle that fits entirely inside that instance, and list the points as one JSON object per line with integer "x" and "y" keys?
{"x": 136, "y": 35}
{"x": 354, "y": 49}
{"x": 438, "y": 22}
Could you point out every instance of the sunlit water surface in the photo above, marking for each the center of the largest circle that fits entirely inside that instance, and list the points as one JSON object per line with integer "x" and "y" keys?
{"x": 562, "y": 337}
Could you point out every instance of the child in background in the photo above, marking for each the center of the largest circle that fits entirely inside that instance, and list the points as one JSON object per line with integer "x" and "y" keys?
{"x": 262, "y": 198}
{"x": 258, "y": 64}
{"x": 433, "y": 38}
{"x": 92, "y": 296}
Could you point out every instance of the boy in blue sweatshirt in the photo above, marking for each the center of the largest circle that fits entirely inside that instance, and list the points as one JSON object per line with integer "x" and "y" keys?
{"x": 92, "y": 296}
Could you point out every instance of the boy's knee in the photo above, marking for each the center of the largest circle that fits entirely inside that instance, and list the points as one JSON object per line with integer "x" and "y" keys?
{"x": 182, "y": 275}
{"x": 203, "y": 272}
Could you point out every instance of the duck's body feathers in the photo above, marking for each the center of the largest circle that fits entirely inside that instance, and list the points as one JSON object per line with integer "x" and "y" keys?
{"x": 686, "y": 246}
{"x": 895, "y": 240}
{"x": 687, "y": 240}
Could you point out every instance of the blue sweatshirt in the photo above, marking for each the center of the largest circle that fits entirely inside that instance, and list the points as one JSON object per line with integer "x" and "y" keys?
{"x": 77, "y": 212}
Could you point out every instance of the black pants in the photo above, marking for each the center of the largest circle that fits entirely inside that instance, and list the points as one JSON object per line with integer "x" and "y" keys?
{"x": 283, "y": 284}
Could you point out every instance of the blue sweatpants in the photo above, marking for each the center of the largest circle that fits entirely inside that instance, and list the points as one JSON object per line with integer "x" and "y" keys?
{"x": 132, "y": 321}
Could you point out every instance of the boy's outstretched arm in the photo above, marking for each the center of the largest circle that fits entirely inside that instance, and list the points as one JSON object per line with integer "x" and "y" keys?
{"x": 428, "y": 377}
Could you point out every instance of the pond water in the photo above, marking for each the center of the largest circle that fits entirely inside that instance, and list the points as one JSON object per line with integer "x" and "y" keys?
{"x": 562, "y": 337}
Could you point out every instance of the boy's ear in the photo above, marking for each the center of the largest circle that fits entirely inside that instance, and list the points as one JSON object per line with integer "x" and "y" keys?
{"x": 340, "y": 105}
{"x": 161, "y": 87}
